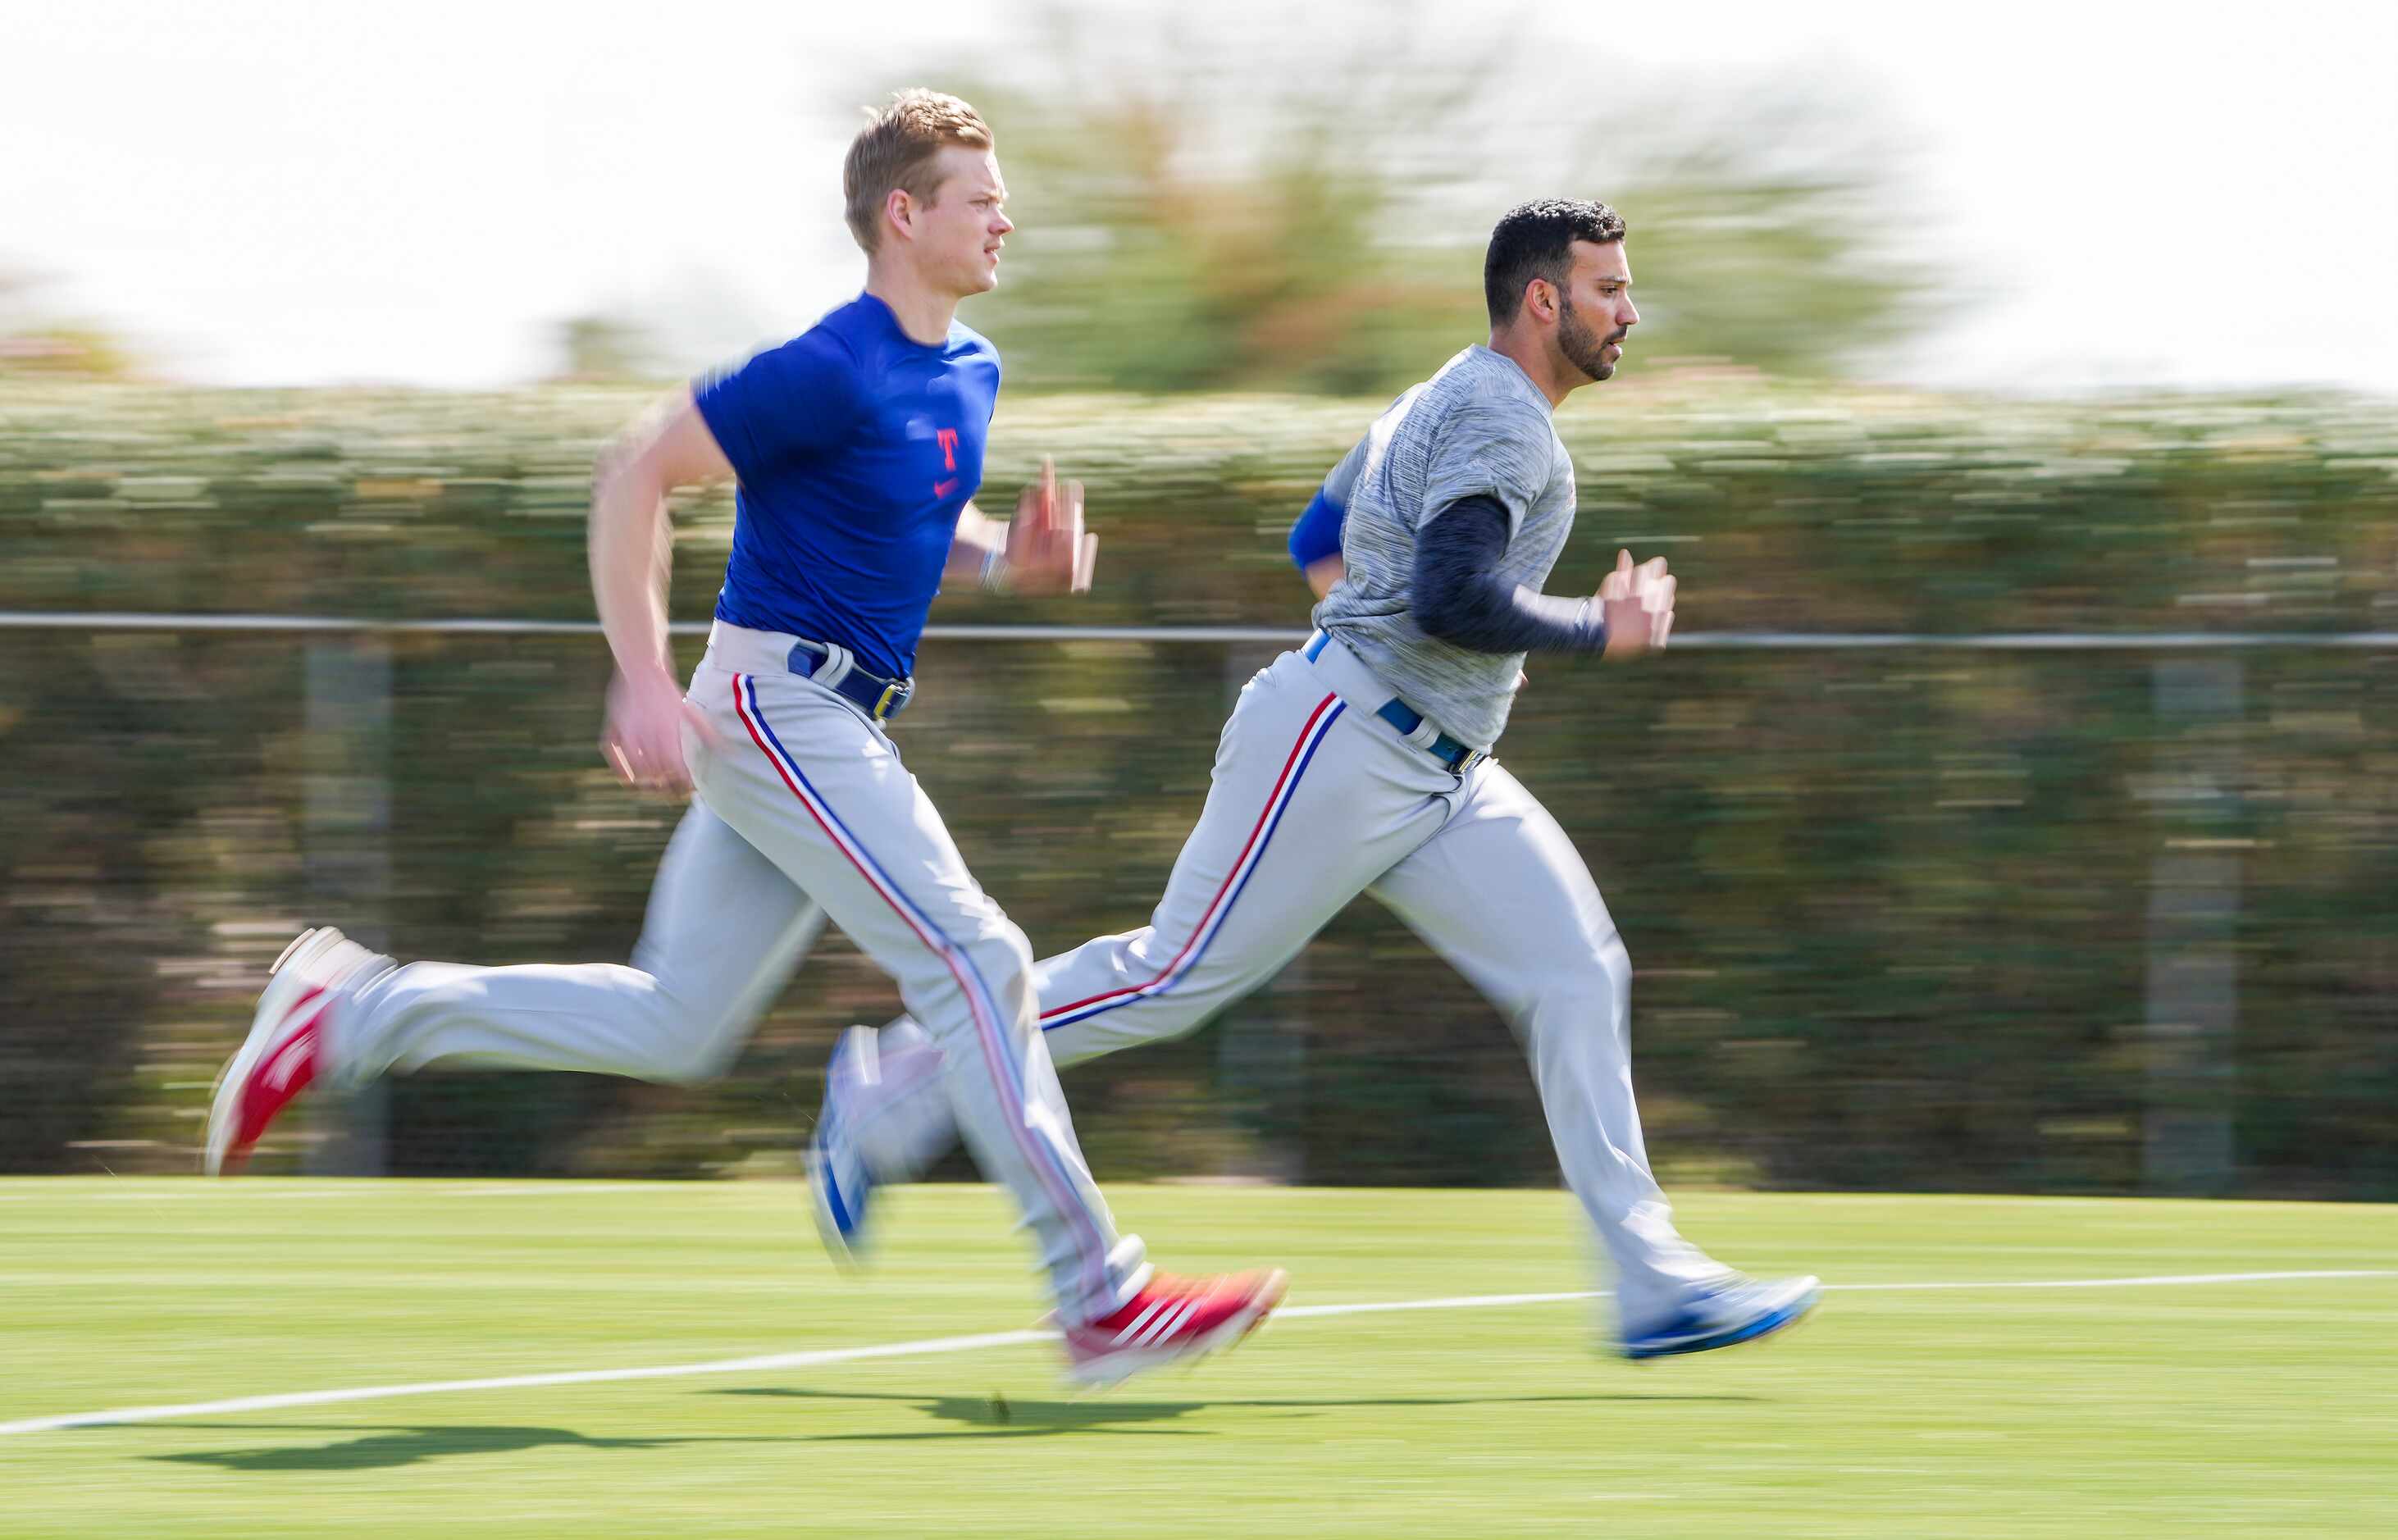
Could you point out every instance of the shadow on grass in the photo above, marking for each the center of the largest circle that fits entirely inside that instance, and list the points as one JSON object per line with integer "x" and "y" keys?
{"x": 996, "y": 1416}
{"x": 385, "y": 1447}
{"x": 973, "y": 1416}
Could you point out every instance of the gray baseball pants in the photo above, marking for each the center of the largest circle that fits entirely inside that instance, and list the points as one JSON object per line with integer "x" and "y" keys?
{"x": 802, "y": 813}
{"x": 1314, "y": 800}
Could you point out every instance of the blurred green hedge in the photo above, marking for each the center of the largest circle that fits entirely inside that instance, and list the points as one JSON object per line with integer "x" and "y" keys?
{"x": 1890, "y": 910}
{"x": 1794, "y": 509}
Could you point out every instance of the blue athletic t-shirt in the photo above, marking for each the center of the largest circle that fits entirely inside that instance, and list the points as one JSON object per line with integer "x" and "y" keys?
{"x": 857, "y": 447}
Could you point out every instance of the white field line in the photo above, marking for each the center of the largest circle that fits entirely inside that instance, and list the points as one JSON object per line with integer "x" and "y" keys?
{"x": 1012, "y": 1338}
{"x": 2154, "y": 1280}
{"x": 1461, "y": 1301}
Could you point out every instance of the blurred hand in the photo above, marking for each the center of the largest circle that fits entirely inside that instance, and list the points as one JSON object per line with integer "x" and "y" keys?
{"x": 1047, "y": 551}
{"x": 642, "y": 738}
{"x": 1636, "y": 606}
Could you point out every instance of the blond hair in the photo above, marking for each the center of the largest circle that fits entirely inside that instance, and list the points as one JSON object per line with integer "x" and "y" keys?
{"x": 896, "y": 150}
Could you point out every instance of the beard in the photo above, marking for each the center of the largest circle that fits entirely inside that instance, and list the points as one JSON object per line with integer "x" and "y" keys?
{"x": 1582, "y": 347}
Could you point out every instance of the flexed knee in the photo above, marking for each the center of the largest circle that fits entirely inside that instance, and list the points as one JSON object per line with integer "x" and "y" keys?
{"x": 1615, "y": 966}
{"x": 695, "y": 1028}
{"x": 1588, "y": 990}
{"x": 1614, "y": 981}
{"x": 999, "y": 964}
{"x": 695, "y": 1049}
{"x": 1014, "y": 986}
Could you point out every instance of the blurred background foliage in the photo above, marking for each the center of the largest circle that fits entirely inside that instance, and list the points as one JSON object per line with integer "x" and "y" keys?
{"x": 35, "y": 341}
{"x": 1197, "y": 217}
{"x": 1891, "y": 911}
{"x": 1897, "y": 915}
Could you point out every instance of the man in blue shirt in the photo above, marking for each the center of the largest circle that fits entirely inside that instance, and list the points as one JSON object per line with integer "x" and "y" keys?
{"x": 857, "y": 447}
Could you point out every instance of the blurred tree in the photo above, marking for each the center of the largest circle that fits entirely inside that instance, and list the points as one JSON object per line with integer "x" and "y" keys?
{"x": 1774, "y": 223}
{"x": 1205, "y": 214}
{"x": 34, "y": 343}
{"x": 600, "y": 349}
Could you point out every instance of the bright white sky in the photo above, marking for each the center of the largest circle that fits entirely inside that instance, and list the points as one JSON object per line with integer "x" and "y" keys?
{"x": 271, "y": 193}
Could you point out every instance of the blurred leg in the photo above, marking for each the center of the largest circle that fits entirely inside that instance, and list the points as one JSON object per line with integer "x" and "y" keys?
{"x": 724, "y": 932}
{"x": 1505, "y": 897}
{"x": 1308, "y": 804}
{"x": 818, "y": 789}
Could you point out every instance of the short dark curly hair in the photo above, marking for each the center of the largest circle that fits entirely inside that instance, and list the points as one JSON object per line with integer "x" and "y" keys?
{"x": 1535, "y": 240}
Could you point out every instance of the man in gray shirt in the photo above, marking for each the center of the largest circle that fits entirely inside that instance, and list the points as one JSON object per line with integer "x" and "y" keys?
{"x": 1361, "y": 762}
{"x": 1480, "y": 430}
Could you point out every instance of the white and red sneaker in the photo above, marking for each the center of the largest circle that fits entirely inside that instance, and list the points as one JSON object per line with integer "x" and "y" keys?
{"x": 1172, "y": 1320}
{"x": 285, "y": 1050}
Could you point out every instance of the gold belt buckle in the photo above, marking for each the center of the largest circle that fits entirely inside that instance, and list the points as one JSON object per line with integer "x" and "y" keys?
{"x": 882, "y": 702}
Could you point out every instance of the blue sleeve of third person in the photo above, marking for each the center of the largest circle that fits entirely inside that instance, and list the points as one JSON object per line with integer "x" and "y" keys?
{"x": 1317, "y": 534}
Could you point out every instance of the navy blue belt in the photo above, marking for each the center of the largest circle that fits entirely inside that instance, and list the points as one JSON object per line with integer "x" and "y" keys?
{"x": 871, "y": 693}
{"x": 1447, "y": 749}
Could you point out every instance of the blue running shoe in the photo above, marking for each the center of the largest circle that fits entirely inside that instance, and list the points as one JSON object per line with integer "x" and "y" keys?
{"x": 1740, "y": 1311}
{"x": 838, "y": 1179}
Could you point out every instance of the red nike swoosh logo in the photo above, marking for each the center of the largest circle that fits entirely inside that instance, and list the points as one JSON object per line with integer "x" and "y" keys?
{"x": 942, "y": 489}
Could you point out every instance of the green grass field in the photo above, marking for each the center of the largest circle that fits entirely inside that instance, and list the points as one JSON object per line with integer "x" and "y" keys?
{"x": 2259, "y": 1407}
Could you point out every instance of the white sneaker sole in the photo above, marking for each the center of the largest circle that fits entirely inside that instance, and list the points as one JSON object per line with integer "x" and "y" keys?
{"x": 1114, "y": 1369}
{"x": 287, "y": 984}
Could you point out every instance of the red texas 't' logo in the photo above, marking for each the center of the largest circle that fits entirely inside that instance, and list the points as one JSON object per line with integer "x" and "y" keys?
{"x": 948, "y": 437}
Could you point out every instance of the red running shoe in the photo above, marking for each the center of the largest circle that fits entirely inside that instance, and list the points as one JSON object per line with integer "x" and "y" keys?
{"x": 1172, "y": 1320}
{"x": 285, "y": 1050}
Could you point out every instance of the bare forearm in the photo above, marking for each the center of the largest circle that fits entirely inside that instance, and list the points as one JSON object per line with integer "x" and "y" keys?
{"x": 1044, "y": 549}
{"x": 979, "y": 538}
{"x": 630, "y": 533}
{"x": 629, "y": 553}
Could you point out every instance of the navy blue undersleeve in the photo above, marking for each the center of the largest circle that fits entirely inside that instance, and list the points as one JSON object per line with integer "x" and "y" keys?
{"x": 1460, "y": 598}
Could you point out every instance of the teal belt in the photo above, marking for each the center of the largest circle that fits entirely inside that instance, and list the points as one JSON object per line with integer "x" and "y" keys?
{"x": 1447, "y": 749}
{"x": 1406, "y": 719}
